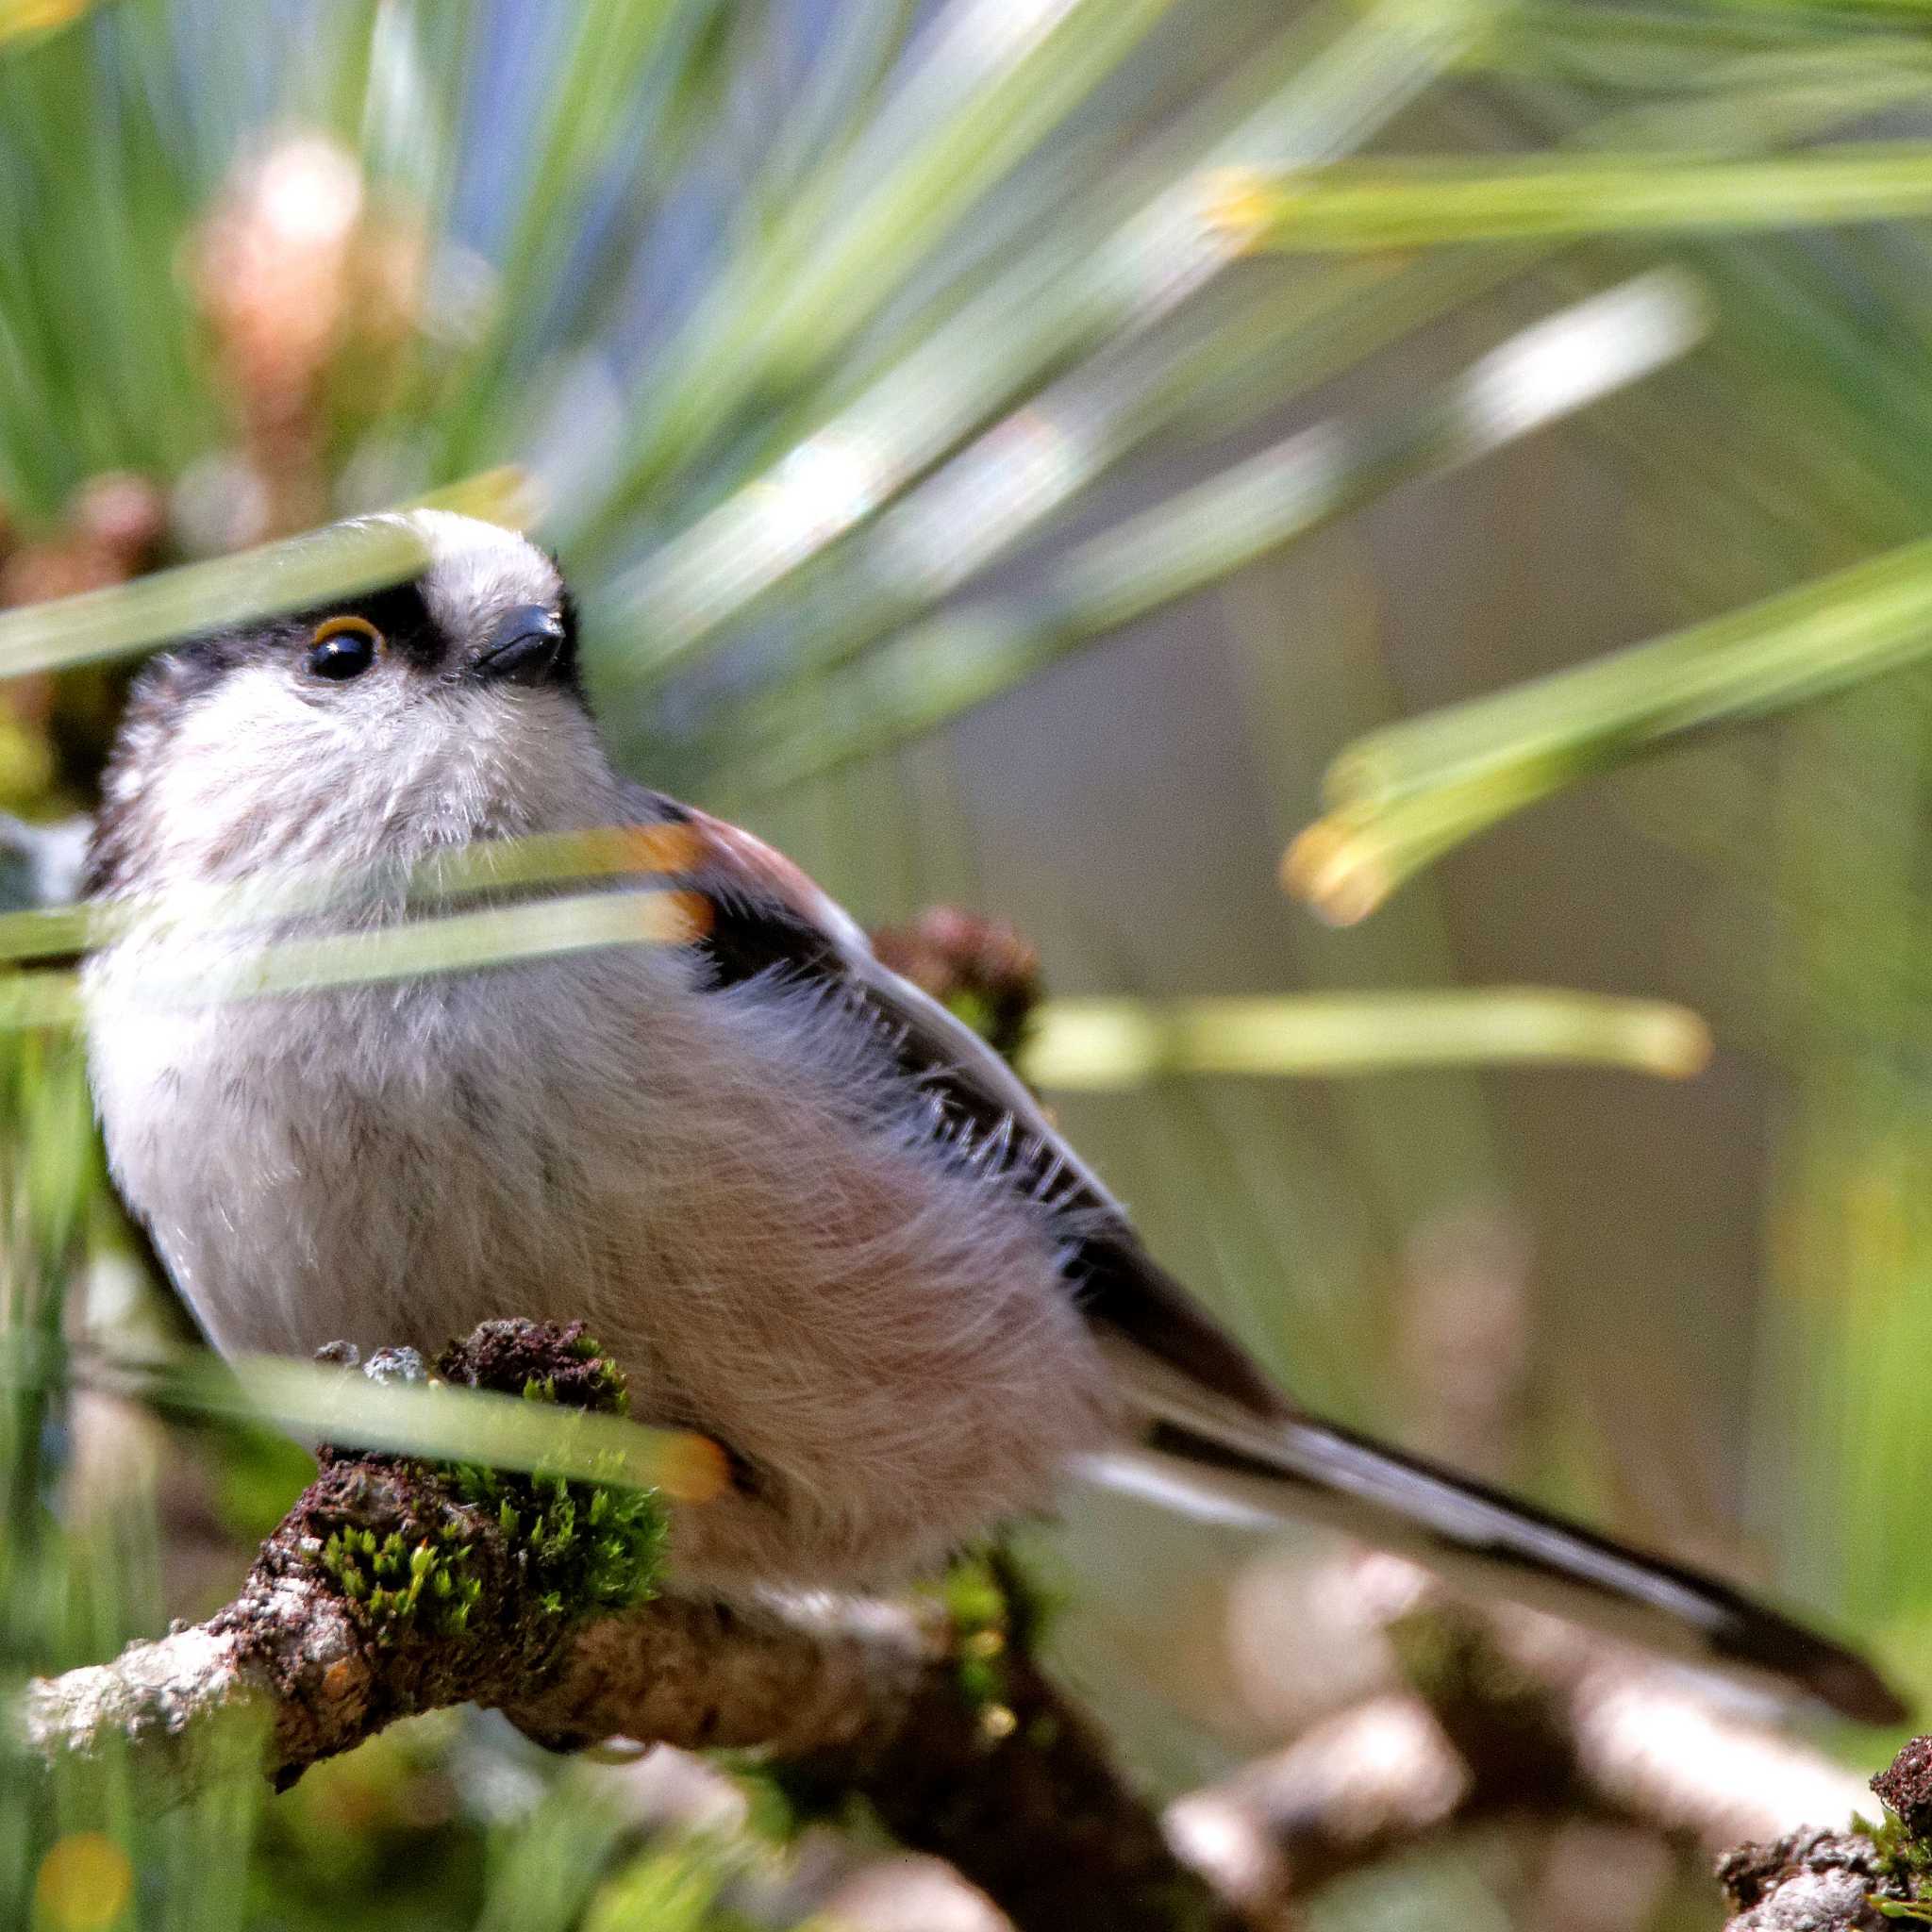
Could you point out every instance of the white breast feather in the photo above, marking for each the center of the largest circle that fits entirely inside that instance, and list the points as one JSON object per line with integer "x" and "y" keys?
{"x": 727, "y": 1187}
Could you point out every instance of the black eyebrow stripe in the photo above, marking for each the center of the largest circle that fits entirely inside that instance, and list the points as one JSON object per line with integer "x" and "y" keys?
{"x": 397, "y": 610}
{"x": 187, "y": 669}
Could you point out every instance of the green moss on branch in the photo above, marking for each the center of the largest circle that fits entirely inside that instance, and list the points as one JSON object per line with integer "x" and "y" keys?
{"x": 447, "y": 1572}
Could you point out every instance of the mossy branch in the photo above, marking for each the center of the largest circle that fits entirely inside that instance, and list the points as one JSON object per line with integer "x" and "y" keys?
{"x": 396, "y": 1586}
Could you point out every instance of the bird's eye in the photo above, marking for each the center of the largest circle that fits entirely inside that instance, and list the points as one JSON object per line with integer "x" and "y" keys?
{"x": 344, "y": 647}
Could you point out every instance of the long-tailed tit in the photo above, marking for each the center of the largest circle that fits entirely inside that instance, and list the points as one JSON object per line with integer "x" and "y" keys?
{"x": 807, "y": 1210}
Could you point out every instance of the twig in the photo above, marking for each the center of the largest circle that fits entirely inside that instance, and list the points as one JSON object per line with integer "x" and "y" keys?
{"x": 864, "y": 1696}
{"x": 1498, "y": 1713}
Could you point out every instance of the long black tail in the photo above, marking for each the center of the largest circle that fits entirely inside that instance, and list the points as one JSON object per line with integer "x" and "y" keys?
{"x": 1303, "y": 1468}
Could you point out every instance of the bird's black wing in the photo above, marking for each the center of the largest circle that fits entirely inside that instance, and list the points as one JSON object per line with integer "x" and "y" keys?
{"x": 766, "y": 916}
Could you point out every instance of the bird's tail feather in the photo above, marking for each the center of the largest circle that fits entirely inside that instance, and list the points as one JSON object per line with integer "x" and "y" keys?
{"x": 1300, "y": 1468}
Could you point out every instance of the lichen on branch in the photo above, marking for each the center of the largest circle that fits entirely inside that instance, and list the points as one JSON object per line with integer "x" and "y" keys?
{"x": 419, "y": 1548}
{"x": 1874, "y": 1875}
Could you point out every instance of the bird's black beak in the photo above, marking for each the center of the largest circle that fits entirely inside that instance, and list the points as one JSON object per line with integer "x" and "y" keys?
{"x": 529, "y": 645}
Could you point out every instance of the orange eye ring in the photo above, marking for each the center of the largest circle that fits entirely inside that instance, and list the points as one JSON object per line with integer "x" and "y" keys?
{"x": 341, "y": 648}
{"x": 340, "y": 627}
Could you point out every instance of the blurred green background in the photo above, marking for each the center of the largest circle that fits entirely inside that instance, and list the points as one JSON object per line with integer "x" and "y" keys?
{"x": 1008, "y": 451}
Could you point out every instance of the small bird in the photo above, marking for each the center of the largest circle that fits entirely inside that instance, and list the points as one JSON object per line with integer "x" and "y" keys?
{"x": 810, "y": 1213}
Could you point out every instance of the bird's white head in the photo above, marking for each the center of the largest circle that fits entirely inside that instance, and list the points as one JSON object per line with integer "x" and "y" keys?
{"x": 432, "y": 712}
